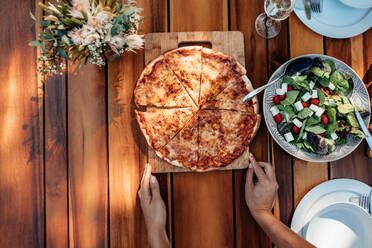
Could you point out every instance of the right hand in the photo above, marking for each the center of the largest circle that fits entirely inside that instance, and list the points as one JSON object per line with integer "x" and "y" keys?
{"x": 260, "y": 196}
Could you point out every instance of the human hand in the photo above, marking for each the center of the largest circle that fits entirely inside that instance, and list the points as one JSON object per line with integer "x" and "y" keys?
{"x": 260, "y": 196}
{"x": 153, "y": 209}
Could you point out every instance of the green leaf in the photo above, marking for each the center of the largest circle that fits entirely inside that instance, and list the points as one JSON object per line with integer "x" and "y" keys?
{"x": 321, "y": 96}
{"x": 302, "y": 130}
{"x": 331, "y": 64}
{"x": 312, "y": 121}
{"x": 32, "y": 16}
{"x": 345, "y": 108}
{"x": 287, "y": 79}
{"x": 35, "y": 43}
{"x": 331, "y": 113}
{"x": 63, "y": 53}
{"x": 315, "y": 129}
{"x": 351, "y": 119}
{"x": 44, "y": 23}
{"x": 290, "y": 97}
{"x": 304, "y": 113}
{"x": 331, "y": 127}
{"x": 322, "y": 81}
{"x": 308, "y": 146}
{"x": 114, "y": 30}
{"x": 357, "y": 132}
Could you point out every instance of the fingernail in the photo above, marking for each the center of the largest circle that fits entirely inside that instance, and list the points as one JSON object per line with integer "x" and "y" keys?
{"x": 153, "y": 179}
{"x": 250, "y": 166}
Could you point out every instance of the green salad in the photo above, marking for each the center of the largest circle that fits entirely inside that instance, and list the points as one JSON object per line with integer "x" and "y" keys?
{"x": 312, "y": 110}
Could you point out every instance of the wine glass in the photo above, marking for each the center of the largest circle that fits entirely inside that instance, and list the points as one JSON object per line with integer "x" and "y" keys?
{"x": 268, "y": 24}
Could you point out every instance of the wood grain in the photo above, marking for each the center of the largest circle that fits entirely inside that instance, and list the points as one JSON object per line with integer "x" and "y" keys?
{"x": 243, "y": 15}
{"x": 202, "y": 203}
{"x": 278, "y": 53}
{"x": 306, "y": 175}
{"x": 21, "y": 135}
{"x": 56, "y": 195}
{"x": 87, "y": 157}
{"x": 127, "y": 147}
{"x": 356, "y": 165}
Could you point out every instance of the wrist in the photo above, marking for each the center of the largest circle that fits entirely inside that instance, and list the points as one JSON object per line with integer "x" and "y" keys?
{"x": 259, "y": 213}
{"x": 158, "y": 237}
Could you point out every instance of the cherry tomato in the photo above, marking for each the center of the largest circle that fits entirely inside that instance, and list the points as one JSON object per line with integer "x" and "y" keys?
{"x": 276, "y": 100}
{"x": 322, "y": 134}
{"x": 314, "y": 101}
{"x": 325, "y": 119}
{"x": 278, "y": 118}
{"x": 321, "y": 87}
{"x": 327, "y": 91}
{"x": 305, "y": 105}
{"x": 295, "y": 129}
{"x": 341, "y": 134}
{"x": 335, "y": 95}
{"x": 290, "y": 87}
{"x": 281, "y": 97}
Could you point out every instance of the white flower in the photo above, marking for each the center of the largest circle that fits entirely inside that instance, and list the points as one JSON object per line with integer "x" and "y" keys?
{"x": 134, "y": 42}
{"x": 104, "y": 17}
{"x": 78, "y": 6}
{"x": 76, "y": 36}
{"x": 116, "y": 43}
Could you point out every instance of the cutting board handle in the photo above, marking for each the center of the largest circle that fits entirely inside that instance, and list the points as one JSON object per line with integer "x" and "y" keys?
{"x": 205, "y": 43}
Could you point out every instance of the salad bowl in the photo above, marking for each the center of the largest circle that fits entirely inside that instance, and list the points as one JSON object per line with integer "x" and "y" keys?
{"x": 359, "y": 94}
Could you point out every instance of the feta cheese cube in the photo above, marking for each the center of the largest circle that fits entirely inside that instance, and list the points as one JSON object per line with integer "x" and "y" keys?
{"x": 331, "y": 86}
{"x": 285, "y": 87}
{"x": 306, "y": 97}
{"x": 331, "y": 102}
{"x": 315, "y": 94}
{"x": 319, "y": 112}
{"x": 304, "y": 136}
{"x": 280, "y": 92}
{"x": 311, "y": 84}
{"x": 311, "y": 114}
{"x": 297, "y": 123}
{"x": 334, "y": 136}
{"x": 288, "y": 137}
{"x": 274, "y": 110}
{"x": 313, "y": 107}
{"x": 298, "y": 106}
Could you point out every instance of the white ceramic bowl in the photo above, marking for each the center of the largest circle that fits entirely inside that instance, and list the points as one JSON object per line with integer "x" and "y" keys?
{"x": 360, "y": 94}
{"x": 341, "y": 225}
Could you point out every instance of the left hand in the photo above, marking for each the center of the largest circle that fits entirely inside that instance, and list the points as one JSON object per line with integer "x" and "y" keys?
{"x": 152, "y": 205}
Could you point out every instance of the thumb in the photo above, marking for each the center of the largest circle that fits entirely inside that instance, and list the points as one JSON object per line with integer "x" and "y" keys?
{"x": 155, "y": 190}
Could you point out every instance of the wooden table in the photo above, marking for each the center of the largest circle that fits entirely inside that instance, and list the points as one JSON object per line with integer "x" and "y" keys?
{"x": 71, "y": 153}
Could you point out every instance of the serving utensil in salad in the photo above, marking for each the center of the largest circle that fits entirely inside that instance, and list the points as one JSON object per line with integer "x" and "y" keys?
{"x": 298, "y": 65}
{"x": 362, "y": 124}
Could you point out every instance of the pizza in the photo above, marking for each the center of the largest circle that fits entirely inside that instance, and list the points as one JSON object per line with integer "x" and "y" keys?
{"x": 158, "y": 86}
{"x": 192, "y": 114}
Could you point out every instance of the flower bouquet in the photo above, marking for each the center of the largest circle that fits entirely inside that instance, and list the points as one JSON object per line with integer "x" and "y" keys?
{"x": 85, "y": 30}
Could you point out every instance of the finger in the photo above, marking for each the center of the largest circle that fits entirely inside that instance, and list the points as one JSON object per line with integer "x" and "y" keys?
{"x": 155, "y": 189}
{"x": 268, "y": 170}
{"x": 145, "y": 183}
{"x": 249, "y": 178}
{"x": 257, "y": 169}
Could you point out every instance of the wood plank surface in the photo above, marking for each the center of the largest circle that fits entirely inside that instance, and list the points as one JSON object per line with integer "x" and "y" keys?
{"x": 356, "y": 165}
{"x": 127, "y": 147}
{"x": 21, "y": 130}
{"x": 87, "y": 157}
{"x": 56, "y": 195}
{"x": 306, "y": 175}
{"x": 202, "y": 203}
{"x": 243, "y": 15}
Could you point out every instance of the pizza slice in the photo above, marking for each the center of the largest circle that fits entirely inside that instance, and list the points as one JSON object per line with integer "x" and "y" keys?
{"x": 231, "y": 98}
{"x": 182, "y": 150}
{"x": 186, "y": 64}
{"x": 158, "y": 86}
{"x": 159, "y": 126}
{"x": 224, "y": 135}
{"x": 218, "y": 71}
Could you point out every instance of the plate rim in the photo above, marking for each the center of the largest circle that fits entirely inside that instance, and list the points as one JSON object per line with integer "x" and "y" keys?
{"x": 314, "y": 26}
{"x": 320, "y": 159}
{"x": 327, "y": 187}
{"x": 359, "y": 4}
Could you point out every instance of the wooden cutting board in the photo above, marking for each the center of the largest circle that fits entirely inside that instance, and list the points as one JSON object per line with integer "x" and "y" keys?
{"x": 228, "y": 42}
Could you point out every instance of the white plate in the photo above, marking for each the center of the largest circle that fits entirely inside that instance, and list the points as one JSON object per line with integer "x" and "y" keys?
{"x": 358, "y": 3}
{"x": 341, "y": 225}
{"x": 322, "y": 196}
{"x": 337, "y": 20}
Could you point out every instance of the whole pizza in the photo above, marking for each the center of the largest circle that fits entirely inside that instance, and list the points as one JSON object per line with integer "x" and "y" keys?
{"x": 190, "y": 108}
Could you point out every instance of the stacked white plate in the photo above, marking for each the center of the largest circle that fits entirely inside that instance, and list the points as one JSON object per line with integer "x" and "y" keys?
{"x": 326, "y": 218}
{"x": 338, "y": 19}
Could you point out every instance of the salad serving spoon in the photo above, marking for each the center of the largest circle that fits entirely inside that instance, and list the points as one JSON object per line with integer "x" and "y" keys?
{"x": 298, "y": 65}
